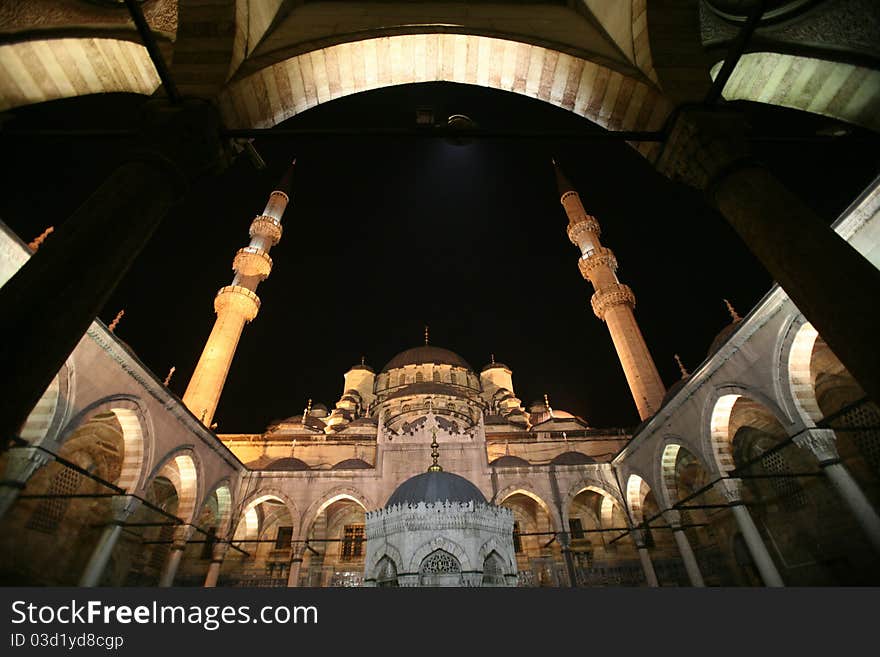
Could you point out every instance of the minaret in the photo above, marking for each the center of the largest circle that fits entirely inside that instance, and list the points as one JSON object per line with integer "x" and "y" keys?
{"x": 613, "y": 302}
{"x": 236, "y": 304}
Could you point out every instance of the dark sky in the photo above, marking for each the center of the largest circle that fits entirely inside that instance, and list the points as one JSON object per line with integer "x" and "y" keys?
{"x": 384, "y": 236}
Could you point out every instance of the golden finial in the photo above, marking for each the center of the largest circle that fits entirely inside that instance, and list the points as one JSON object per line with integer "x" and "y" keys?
{"x": 435, "y": 453}
{"x": 733, "y": 314}
{"x": 493, "y": 358}
{"x": 684, "y": 372}
{"x": 547, "y": 404}
{"x": 363, "y": 360}
{"x": 307, "y": 410}
{"x": 426, "y": 334}
{"x": 115, "y": 321}
{"x": 214, "y": 426}
{"x": 33, "y": 246}
{"x": 168, "y": 378}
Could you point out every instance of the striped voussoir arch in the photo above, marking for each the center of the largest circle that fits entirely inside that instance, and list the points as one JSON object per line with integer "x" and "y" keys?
{"x": 636, "y": 491}
{"x": 719, "y": 433}
{"x": 38, "y": 422}
{"x": 842, "y": 91}
{"x": 668, "y": 461}
{"x": 49, "y": 69}
{"x": 800, "y": 375}
{"x": 133, "y": 448}
{"x": 600, "y": 94}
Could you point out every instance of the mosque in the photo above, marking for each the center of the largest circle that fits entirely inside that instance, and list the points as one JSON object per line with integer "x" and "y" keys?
{"x": 758, "y": 468}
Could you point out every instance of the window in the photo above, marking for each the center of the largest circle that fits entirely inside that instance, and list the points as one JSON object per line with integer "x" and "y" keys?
{"x": 576, "y": 528}
{"x": 453, "y": 378}
{"x": 436, "y": 376}
{"x": 282, "y": 539}
{"x": 517, "y": 541}
{"x": 420, "y": 378}
{"x": 353, "y": 542}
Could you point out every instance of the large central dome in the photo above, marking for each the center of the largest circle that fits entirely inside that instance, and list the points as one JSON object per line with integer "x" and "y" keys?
{"x": 426, "y": 354}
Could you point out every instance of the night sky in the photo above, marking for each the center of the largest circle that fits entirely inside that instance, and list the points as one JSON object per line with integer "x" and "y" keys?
{"x": 385, "y": 236}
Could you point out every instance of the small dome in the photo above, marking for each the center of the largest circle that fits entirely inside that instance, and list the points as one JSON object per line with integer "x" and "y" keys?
{"x": 673, "y": 390}
{"x": 351, "y": 464}
{"x": 508, "y": 461}
{"x": 426, "y": 354}
{"x": 572, "y": 458}
{"x": 722, "y": 337}
{"x": 494, "y": 365}
{"x": 361, "y": 366}
{"x": 432, "y": 487}
{"x": 289, "y": 463}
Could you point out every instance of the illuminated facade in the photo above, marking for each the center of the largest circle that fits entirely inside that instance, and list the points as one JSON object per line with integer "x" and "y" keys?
{"x": 758, "y": 468}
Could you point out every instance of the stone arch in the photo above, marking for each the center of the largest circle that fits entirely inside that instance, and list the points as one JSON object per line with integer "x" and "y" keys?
{"x": 526, "y": 489}
{"x": 52, "y": 411}
{"x": 493, "y": 545}
{"x": 223, "y": 492}
{"x": 609, "y": 499}
{"x": 389, "y": 551}
{"x": 50, "y": 69}
{"x": 607, "y": 97}
{"x": 331, "y": 496}
{"x": 134, "y": 420}
{"x": 849, "y": 92}
{"x": 439, "y": 543}
{"x": 637, "y": 490}
{"x": 182, "y": 468}
{"x": 800, "y": 375}
{"x": 718, "y": 413}
{"x": 248, "y": 511}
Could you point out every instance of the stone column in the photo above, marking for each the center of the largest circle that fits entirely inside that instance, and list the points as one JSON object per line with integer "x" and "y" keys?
{"x": 23, "y": 462}
{"x": 565, "y": 546}
{"x": 218, "y": 554}
{"x": 684, "y": 548}
{"x": 175, "y": 555}
{"x": 751, "y": 535}
{"x": 122, "y": 508}
{"x": 638, "y": 537}
{"x": 296, "y": 559}
{"x": 831, "y": 283}
{"x": 821, "y": 442}
{"x": 50, "y": 302}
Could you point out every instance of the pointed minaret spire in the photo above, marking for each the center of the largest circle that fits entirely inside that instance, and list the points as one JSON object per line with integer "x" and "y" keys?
{"x": 39, "y": 239}
{"x": 734, "y": 316}
{"x": 237, "y": 303}
{"x": 613, "y": 302}
{"x": 112, "y": 326}
{"x": 562, "y": 182}
{"x": 684, "y": 373}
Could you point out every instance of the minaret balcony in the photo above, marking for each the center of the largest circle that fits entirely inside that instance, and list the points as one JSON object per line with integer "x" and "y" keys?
{"x": 611, "y": 296}
{"x": 266, "y": 227}
{"x": 237, "y": 299}
{"x": 598, "y": 257}
{"x": 588, "y": 229}
{"x": 251, "y": 261}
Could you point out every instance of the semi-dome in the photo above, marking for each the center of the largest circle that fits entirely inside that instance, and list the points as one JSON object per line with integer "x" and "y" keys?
{"x": 433, "y": 486}
{"x": 426, "y": 354}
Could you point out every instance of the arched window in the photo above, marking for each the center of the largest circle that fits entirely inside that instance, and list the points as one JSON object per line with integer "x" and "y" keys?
{"x": 386, "y": 572}
{"x": 493, "y": 570}
{"x": 440, "y": 569}
{"x": 420, "y": 378}
{"x": 453, "y": 378}
{"x": 436, "y": 376}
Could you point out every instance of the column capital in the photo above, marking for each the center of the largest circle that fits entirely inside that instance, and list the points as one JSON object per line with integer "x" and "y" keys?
{"x": 123, "y": 506}
{"x": 23, "y": 462}
{"x": 639, "y": 537}
{"x": 821, "y": 442}
{"x": 673, "y": 518}
{"x": 703, "y": 145}
{"x": 731, "y": 490}
{"x": 218, "y": 551}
